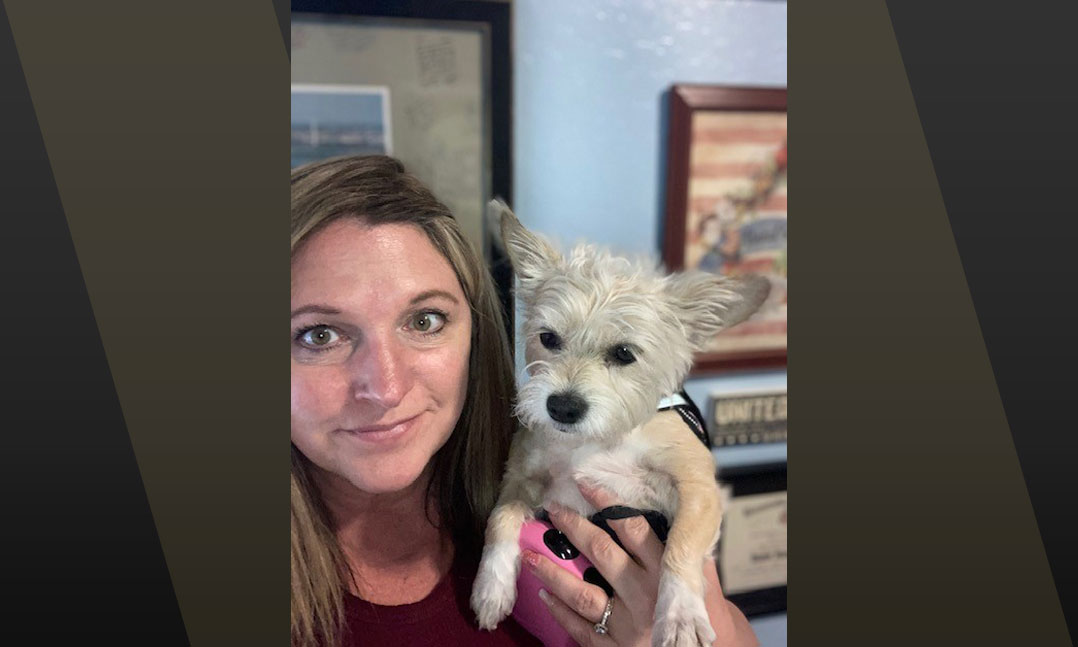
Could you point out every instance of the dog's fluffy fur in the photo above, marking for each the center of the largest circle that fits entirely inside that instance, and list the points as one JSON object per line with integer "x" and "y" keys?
{"x": 593, "y": 303}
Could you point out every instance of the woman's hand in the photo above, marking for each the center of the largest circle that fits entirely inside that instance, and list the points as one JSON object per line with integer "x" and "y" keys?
{"x": 634, "y": 574}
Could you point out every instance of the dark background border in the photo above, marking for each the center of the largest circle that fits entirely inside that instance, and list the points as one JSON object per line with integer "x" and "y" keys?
{"x": 144, "y": 281}
{"x": 932, "y": 351}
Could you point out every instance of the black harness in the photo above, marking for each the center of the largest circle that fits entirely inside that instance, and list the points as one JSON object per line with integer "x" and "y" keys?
{"x": 690, "y": 413}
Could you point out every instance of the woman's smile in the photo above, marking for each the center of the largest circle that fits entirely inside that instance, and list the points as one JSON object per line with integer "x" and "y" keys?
{"x": 385, "y": 433}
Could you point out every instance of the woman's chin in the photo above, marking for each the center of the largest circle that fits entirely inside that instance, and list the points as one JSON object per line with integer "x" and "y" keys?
{"x": 385, "y": 479}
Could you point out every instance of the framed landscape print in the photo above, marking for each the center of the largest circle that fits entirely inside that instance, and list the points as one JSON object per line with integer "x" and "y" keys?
{"x": 335, "y": 120}
{"x": 414, "y": 89}
{"x": 726, "y": 207}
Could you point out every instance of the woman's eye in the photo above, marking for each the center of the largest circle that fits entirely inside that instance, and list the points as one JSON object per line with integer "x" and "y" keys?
{"x": 550, "y": 340}
{"x": 428, "y": 322}
{"x": 319, "y": 337}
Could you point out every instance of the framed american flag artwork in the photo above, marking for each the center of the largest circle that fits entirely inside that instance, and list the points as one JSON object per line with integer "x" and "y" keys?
{"x": 726, "y": 207}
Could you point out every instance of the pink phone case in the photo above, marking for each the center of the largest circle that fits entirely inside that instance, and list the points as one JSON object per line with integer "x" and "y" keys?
{"x": 530, "y": 610}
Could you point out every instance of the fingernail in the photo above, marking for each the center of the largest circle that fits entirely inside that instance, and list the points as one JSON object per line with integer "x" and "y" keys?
{"x": 556, "y": 509}
{"x": 530, "y": 559}
{"x": 544, "y": 596}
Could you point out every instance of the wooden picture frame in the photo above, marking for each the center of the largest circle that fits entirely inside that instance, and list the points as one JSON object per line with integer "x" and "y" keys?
{"x": 725, "y": 185}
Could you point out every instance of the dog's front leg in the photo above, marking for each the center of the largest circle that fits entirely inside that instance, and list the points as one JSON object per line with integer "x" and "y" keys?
{"x": 495, "y": 590}
{"x": 681, "y": 618}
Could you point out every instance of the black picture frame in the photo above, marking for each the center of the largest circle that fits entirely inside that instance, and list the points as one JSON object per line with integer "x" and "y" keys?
{"x": 497, "y": 18}
{"x": 745, "y": 480}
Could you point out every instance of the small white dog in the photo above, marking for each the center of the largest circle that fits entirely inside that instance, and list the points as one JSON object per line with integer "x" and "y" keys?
{"x": 606, "y": 339}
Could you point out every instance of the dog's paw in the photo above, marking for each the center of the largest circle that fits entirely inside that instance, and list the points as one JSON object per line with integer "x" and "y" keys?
{"x": 680, "y": 616}
{"x": 495, "y": 590}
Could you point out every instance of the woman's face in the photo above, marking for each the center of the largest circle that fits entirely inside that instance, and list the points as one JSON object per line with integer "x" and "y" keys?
{"x": 381, "y": 333}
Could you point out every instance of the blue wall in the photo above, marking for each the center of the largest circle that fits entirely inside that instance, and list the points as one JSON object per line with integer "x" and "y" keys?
{"x": 588, "y": 87}
{"x": 589, "y": 81}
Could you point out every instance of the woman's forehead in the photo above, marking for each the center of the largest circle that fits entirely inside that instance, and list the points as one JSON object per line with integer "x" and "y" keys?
{"x": 350, "y": 260}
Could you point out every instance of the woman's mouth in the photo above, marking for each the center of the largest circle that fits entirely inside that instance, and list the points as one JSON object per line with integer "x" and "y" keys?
{"x": 384, "y": 432}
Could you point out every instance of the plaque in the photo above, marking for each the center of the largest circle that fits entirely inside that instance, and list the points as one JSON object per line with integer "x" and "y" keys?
{"x": 747, "y": 417}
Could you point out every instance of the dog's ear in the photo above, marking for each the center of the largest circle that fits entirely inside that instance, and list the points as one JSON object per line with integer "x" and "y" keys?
{"x": 532, "y": 257}
{"x": 706, "y": 303}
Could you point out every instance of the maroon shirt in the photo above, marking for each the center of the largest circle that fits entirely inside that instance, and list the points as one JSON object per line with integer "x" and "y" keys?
{"x": 443, "y": 618}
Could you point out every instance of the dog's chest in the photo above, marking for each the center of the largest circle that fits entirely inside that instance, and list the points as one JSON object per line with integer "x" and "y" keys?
{"x": 621, "y": 470}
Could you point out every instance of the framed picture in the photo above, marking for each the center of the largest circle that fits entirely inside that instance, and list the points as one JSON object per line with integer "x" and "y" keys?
{"x": 726, "y": 207}
{"x": 427, "y": 82}
{"x": 747, "y": 417}
{"x": 334, "y": 120}
{"x": 752, "y": 559}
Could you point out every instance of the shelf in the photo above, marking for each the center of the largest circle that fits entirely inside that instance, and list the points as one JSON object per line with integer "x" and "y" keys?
{"x": 740, "y": 455}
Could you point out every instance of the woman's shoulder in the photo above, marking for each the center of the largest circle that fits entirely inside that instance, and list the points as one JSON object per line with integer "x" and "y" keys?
{"x": 444, "y": 617}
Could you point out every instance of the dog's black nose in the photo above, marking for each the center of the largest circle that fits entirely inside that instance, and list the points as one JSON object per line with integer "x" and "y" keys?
{"x": 566, "y": 408}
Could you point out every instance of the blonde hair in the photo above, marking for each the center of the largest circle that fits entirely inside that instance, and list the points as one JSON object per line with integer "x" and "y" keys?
{"x": 466, "y": 471}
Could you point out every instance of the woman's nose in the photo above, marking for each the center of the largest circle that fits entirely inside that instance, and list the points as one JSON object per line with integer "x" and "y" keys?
{"x": 381, "y": 373}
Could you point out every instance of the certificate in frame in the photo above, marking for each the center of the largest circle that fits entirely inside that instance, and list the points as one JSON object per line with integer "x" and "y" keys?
{"x": 752, "y": 550}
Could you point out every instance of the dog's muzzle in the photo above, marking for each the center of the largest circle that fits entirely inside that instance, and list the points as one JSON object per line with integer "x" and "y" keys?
{"x": 566, "y": 408}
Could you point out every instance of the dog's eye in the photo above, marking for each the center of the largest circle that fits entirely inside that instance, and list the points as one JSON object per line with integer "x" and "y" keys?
{"x": 621, "y": 354}
{"x": 550, "y": 340}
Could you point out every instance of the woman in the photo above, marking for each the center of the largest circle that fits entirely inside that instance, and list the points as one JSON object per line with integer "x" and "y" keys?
{"x": 401, "y": 391}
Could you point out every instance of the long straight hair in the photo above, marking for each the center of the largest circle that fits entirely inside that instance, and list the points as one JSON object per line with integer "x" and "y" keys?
{"x": 466, "y": 471}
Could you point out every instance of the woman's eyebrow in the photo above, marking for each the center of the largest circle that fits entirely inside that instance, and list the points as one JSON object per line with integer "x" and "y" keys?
{"x": 423, "y": 296}
{"x": 320, "y": 309}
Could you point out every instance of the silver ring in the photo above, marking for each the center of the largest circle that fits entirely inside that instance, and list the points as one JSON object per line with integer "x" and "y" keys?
{"x": 600, "y": 627}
